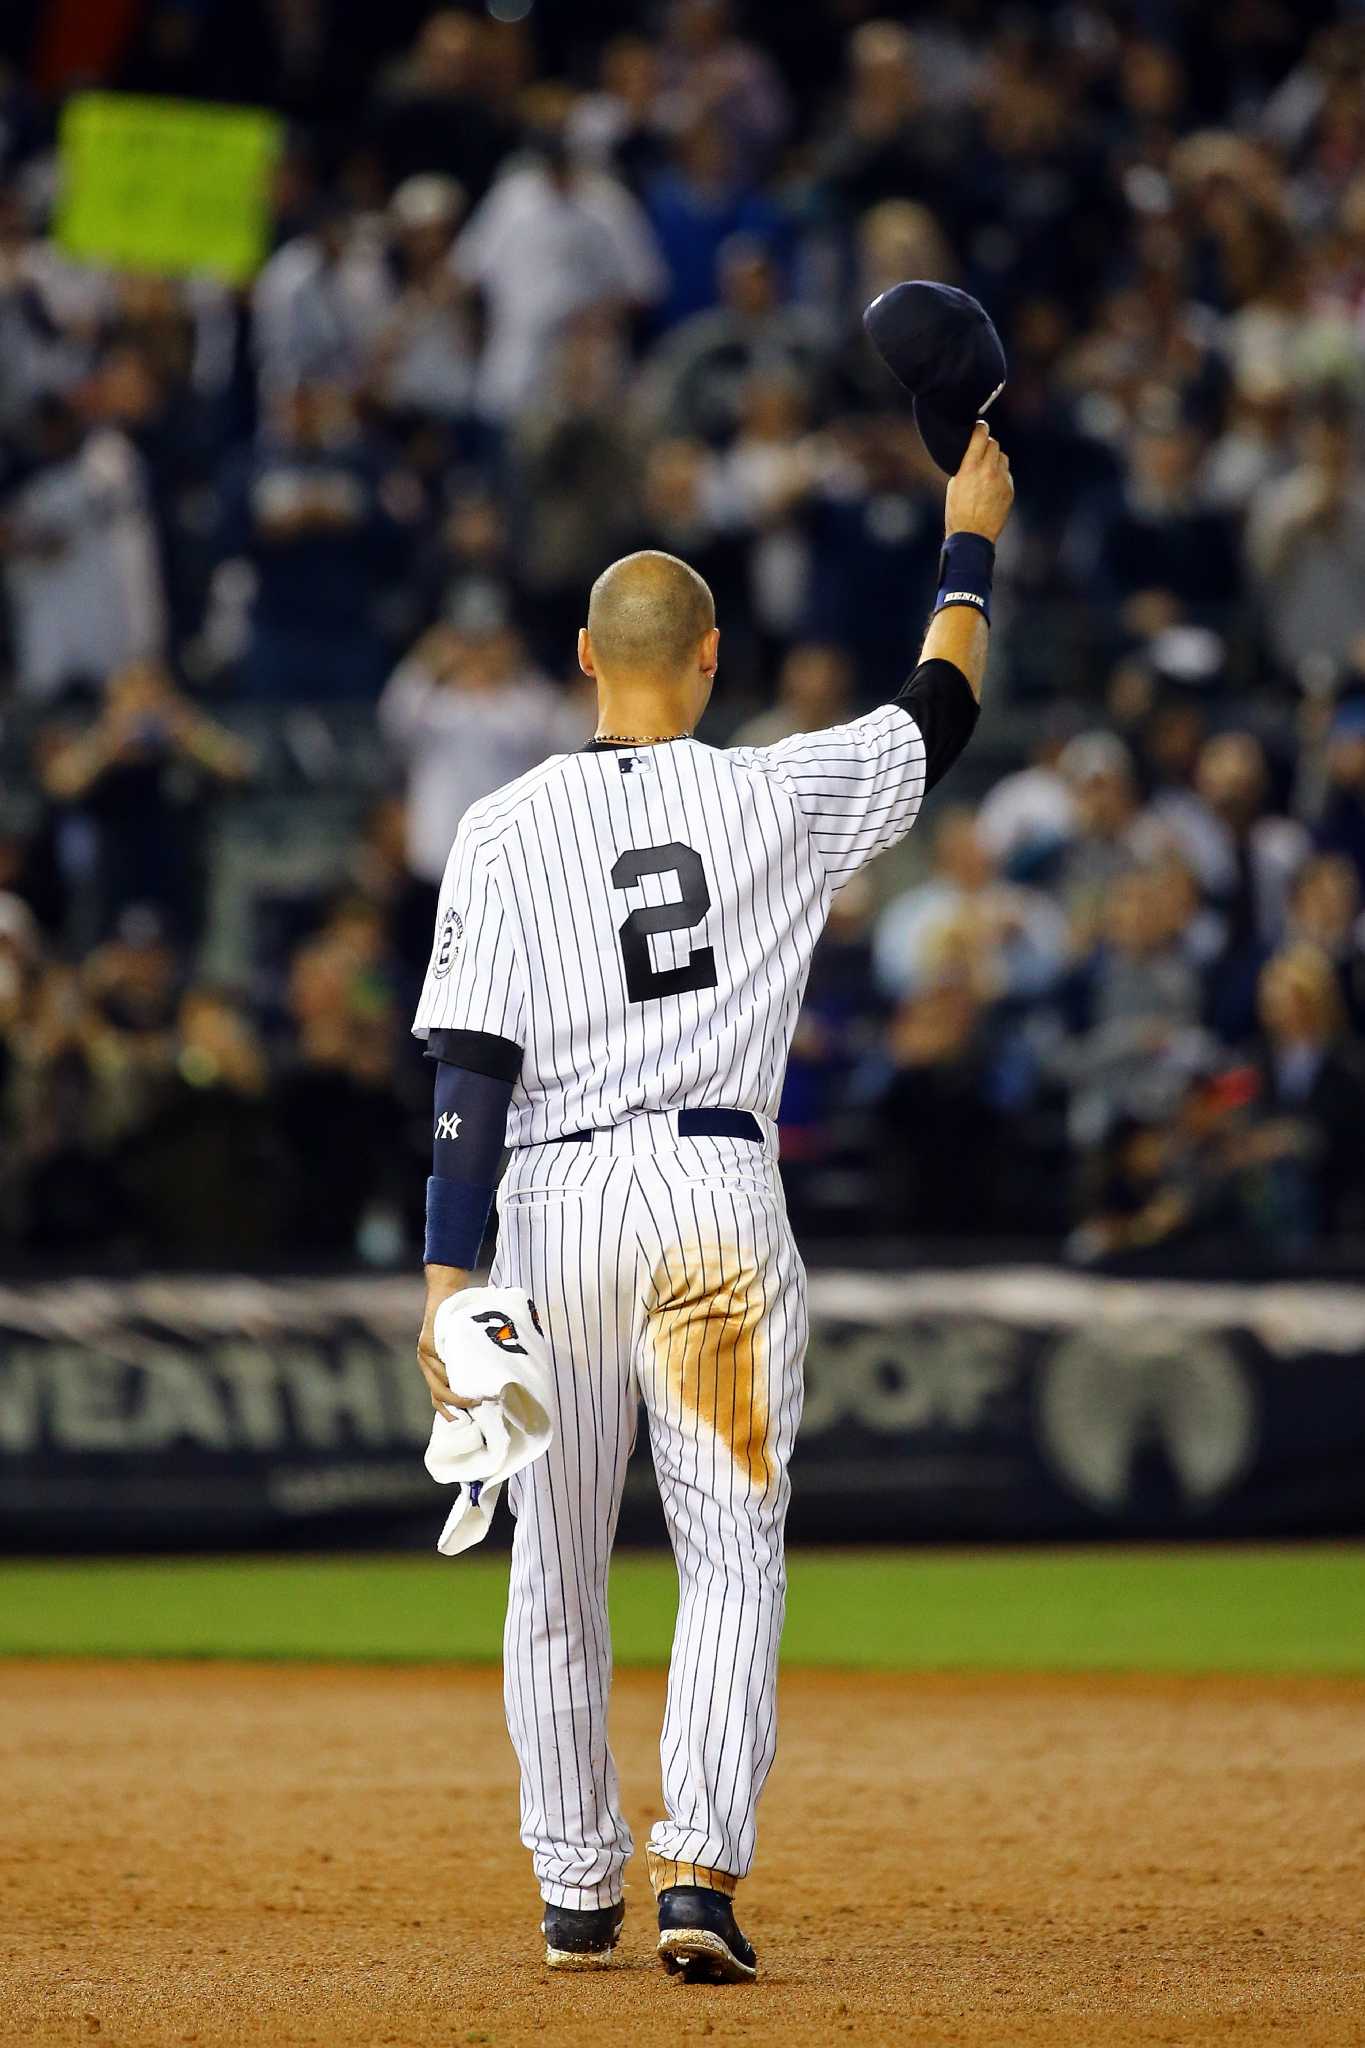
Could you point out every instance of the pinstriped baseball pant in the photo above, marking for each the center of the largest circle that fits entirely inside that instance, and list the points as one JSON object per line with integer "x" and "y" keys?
{"x": 665, "y": 1272}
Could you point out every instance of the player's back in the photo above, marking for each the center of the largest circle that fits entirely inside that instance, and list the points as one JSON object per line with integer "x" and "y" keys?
{"x": 641, "y": 919}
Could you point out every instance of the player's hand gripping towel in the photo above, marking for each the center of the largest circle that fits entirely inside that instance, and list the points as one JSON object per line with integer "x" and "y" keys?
{"x": 490, "y": 1342}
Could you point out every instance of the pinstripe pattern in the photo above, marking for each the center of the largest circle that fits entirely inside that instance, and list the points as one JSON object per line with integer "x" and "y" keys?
{"x": 665, "y": 1272}
{"x": 538, "y": 955}
{"x": 664, "y": 1267}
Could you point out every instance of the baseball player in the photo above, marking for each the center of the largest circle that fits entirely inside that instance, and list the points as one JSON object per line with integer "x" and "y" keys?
{"x": 621, "y": 947}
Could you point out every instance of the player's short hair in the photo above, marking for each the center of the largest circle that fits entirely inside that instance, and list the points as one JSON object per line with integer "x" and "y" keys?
{"x": 647, "y": 612}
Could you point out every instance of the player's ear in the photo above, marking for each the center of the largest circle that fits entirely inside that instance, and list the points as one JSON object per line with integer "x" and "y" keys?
{"x": 710, "y": 652}
{"x": 585, "y": 653}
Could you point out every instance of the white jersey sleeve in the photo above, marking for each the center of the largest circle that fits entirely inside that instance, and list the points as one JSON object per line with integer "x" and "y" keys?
{"x": 474, "y": 978}
{"x": 859, "y": 786}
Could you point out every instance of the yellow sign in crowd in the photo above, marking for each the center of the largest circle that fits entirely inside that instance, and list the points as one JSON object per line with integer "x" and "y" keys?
{"x": 167, "y": 185}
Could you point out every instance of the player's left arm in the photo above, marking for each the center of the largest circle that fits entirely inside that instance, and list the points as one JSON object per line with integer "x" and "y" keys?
{"x": 859, "y": 786}
{"x": 943, "y": 696}
{"x": 471, "y": 1015}
{"x": 975, "y": 509}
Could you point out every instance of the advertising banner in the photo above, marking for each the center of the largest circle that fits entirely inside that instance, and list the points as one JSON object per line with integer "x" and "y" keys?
{"x": 1003, "y": 1404}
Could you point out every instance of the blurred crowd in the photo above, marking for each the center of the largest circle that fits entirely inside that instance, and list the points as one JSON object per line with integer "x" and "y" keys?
{"x": 290, "y": 575}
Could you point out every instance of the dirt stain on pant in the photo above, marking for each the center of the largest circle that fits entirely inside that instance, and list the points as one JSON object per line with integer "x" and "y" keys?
{"x": 709, "y": 1343}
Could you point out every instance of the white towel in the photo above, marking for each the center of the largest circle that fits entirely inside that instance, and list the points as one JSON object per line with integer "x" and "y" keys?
{"x": 489, "y": 1341}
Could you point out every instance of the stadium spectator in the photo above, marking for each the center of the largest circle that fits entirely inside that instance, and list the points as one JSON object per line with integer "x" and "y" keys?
{"x": 81, "y": 575}
{"x": 573, "y": 480}
{"x": 51, "y": 315}
{"x": 210, "y": 1104}
{"x": 1027, "y": 820}
{"x": 1243, "y": 856}
{"x": 1310, "y": 1137}
{"x": 135, "y": 980}
{"x": 145, "y": 388}
{"x": 470, "y": 571}
{"x": 761, "y": 480}
{"x": 1325, "y": 912}
{"x": 622, "y": 126}
{"x": 939, "y": 1128}
{"x": 697, "y": 204}
{"x": 713, "y": 78}
{"x": 700, "y": 371}
{"x": 1307, "y": 548}
{"x": 319, "y": 522}
{"x": 1155, "y": 550}
{"x": 1254, "y": 449}
{"x": 1141, "y": 1040}
{"x": 131, "y": 789}
{"x": 1029, "y": 200}
{"x": 463, "y": 713}
{"x": 422, "y": 358}
{"x": 551, "y": 239}
{"x": 320, "y": 305}
{"x": 88, "y": 1054}
{"x": 338, "y": 1116}
{"x": 1341, "y": 826}
{"x": 1015, "y": 938}
{"x": 1186, "y": 1184}
{"x": 889, "y": 140}
{"x": 1169, "y": 737}
{"x": 71, "y": 1094}
{"x": 1111, "y": 835}
{"x": 1129, "y": 1202}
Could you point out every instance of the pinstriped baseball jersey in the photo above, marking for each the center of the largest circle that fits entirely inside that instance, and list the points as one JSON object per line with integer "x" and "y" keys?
{"x": 641, "y": 920}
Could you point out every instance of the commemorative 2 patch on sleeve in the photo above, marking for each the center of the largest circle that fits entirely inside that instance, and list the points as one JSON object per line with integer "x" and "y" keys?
{"x": 448, "y": 940}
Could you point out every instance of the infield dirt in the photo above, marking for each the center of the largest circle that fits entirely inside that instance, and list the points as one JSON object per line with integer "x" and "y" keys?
{"x": 219, "y": 1854}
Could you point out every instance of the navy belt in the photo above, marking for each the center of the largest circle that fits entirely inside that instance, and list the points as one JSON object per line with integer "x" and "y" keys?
{"x": 693, "y": 1123}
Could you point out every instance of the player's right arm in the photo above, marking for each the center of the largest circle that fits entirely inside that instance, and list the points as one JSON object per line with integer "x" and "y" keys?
{"x": 860, "y": 785}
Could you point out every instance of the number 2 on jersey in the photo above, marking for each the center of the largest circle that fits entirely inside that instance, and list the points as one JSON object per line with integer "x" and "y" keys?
{"x": 645, "y": 982}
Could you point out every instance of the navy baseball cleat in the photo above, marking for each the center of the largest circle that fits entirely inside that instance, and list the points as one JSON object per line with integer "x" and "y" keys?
{"x": 581, "y": 1941}
{"x": 698, "y": 1937}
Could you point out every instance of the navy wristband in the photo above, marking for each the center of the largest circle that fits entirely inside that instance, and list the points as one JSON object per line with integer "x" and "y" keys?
{"x": 457, "y": 1217}
{"x": 965, "y": 569}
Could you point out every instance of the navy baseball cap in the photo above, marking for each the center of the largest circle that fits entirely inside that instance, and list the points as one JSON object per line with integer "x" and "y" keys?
{"x": 941, "y": 344}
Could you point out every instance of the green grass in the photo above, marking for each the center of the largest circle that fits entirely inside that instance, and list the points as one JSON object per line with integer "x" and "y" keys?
{"x": 1198, "y": 1610}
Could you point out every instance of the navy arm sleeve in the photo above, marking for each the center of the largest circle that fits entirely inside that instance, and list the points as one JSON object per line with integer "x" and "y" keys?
{"x": 939, "y": 699}
{"x": 476, "y": 1072}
